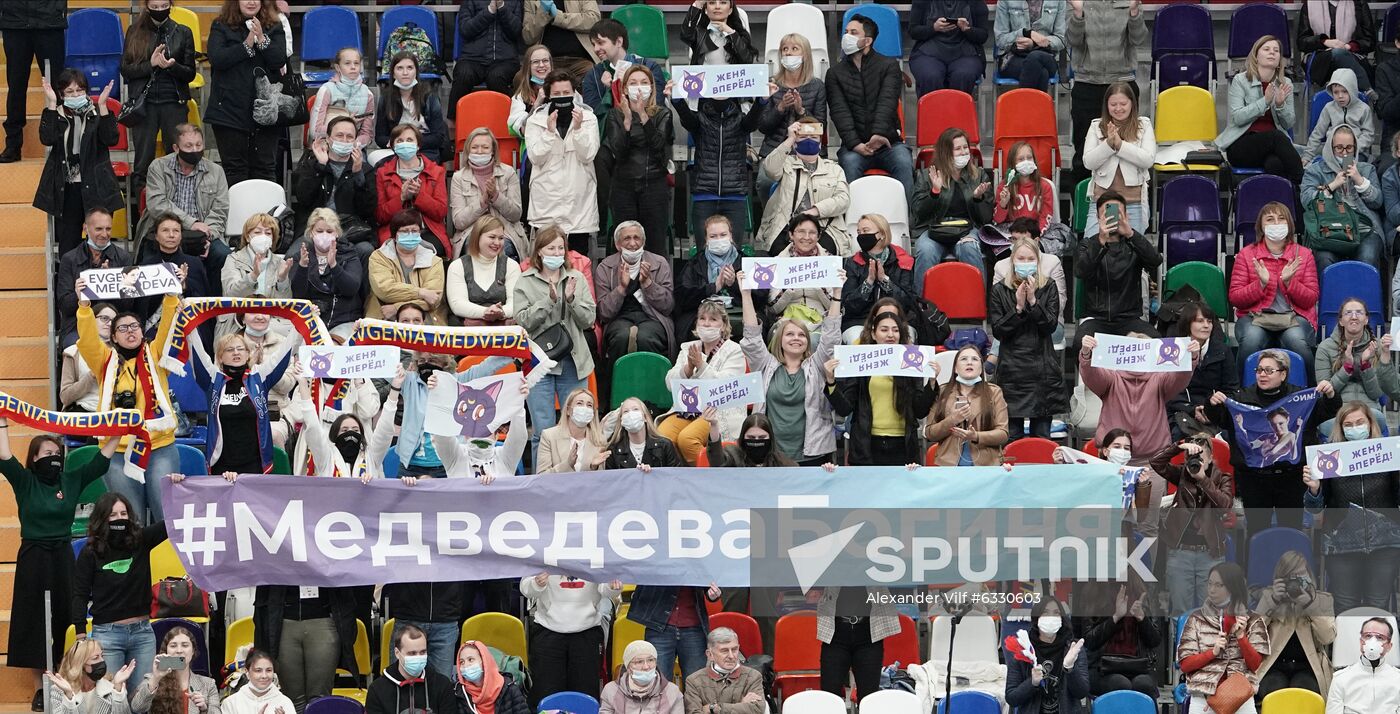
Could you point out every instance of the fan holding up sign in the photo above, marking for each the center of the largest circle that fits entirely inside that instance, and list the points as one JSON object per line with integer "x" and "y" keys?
{"x": 475, "y": 411}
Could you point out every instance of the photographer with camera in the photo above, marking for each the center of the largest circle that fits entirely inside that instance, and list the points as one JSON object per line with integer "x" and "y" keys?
{"x": 1193, "y": 534}
{"x": 1301, "y": 626}
{"x": 171, "y": 688}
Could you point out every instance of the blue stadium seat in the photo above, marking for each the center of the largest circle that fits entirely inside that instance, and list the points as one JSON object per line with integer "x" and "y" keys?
{"x": 1125, "y": 702}
{"x": 890, "y": 41}
{"x": 324, "y": 32}
{"x": 192, "y": 461}
{"x": 1251, "y": 195}
{"x": 571, "y": 702}
{"x": 1296, "y": 376}
{"x": 1319, "y": 101}
{"x": 200, "y": 665}
{"x": 1267, "y": 546}
{"x": 94, "y": 43}
{"x": 397, "y": 17}
{"x": 1190, "y": 220}
{"x": 1345, "y": 280}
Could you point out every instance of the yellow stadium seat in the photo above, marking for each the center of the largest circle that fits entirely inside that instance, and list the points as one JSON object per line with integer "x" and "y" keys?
{"x": 497, "y": 629}
{"x": 385, "y": 641}
{"x": 1185, "y": 113}
{"x": 120, "y": 229}
{"x": 624, "y": 632}
{"x": 165, "y": 563}
{"x": 1293, "y": 701}
{"x": 186, "y": 17}
{"x": 239, "y": 633}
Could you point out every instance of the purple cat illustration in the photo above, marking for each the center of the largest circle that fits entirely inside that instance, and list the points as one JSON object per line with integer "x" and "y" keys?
{"x": 1169, "y": 353}
{"x": 913, "y": 357}
{"x": 763, "y": 276}
{"x": 475, "y": 409}
{"x": 692, "y": 84}
{"x": 1327, "y": 464}
{"x": 320, "y": 366}
{"x": 690, "y": 399}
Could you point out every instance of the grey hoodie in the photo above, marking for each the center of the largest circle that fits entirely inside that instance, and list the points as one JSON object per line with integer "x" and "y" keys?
{"x": 1366, "y": 199}
{"x": 1357, "y": 114}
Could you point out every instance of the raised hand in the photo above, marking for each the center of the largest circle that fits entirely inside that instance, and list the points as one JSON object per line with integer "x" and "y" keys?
{"x": 1310, "y": 481}
{"x": 50, "y": 97}
{"x": 321, "y": 148}
{"x": 1261, "y": 271}
{"x": 102, "y": 98}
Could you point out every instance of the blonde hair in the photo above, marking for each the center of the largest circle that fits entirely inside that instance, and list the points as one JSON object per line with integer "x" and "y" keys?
{"x": 594, "y": 430}
{"x": 714, "y": 309}
{"x": 1013, "y": 280}
{"x": 71, "y": 669}
{"x": 223, "y": 342}
{"x": 619, "y": 434}
{"x": 482, "y": 131}
{"x": 881, "y": 224}
{"x": 1347, "y": 410}
{"x": 261, "y": 220}
{"x": 652, "y": 109}
{"x": 1251, "y": 62}
{"x": 484, "y": 225}
{"x": 804, "y": 73}
{"x": 775, "y": 343}
{"x": 322, "y": 215}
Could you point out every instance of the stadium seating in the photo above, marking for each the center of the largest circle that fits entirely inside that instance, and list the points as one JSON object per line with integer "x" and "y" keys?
{"x": 814, "y": 701}
{"x": 1296, "y": 376}
{"x": 939, "y": 111}
{"x": 646, "y": 31}
{"x": 94, "y": 45}
{"x": 1183, "y": 48}
{"x": 324, "y": 32}
{"x": 805, "y": 20}
{"x": 1345, "y": 280}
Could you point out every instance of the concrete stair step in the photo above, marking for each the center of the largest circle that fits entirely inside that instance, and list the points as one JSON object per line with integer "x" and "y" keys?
{"x": 25, "y": 357}
{"x": 35, "y": 391}
{"x": 25, "y": 226}
{"x": 16, "y": 688}
{"x": 33, "y": 75}
{"x": 19, "y": 180}
{"x": 25, "y": 269}
{"x": 24, "y": 313}
{"x": 9, "y": 540}
{"x": 7, "y": 585}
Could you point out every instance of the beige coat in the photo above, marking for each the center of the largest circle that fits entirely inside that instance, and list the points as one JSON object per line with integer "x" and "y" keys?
{"x": 1316, "y": 628}
{"x": 387, "y": 285}
{"x": 464, "y": 199}
{"x": 576, "y": 15}
{"x": 1199, "y": 635}
{"x": 555, "y": 444}
{"x": 831, "y": 196}
{"x": 987, "y": 451}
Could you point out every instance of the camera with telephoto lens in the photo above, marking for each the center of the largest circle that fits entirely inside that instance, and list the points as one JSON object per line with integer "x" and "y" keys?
{"x": 1297, "y": 586}
{"x": 124, "y": 400}
{"x": 1195, "y": 463}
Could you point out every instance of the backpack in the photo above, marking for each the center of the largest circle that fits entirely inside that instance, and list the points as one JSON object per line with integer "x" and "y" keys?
{"x": 512, "y": 667}
{"x": 411, "y": 39}
{"x": 1330, "y": 224}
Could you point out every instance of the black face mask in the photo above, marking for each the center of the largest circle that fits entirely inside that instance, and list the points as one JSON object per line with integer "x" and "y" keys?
{"x": 348, "y": 443}
{"x": 119, "y": 527}
{"x": 425, "y": 371}
{"x": 867, "y": 241}
{"x": 97, "y": 671}
{"x": 159, "y": 16}
{"x": 565, "y": 108}
{"x": 48, "y": 468}
{"x": 757, "y": 450}
{"x": 191, "y": 158}
{"x": 235, "y": 372}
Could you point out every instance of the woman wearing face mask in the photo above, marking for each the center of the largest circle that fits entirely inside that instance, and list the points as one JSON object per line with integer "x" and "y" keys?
{"x": 1262, "y": 113}
{"x": 530, "y": 91}
{"x": 45, "y": 496}
{"x": 877, "y": 271}
{"x": 1025, "y": 311}
{"x": 410, "y": 180}
{"x": 639, "y": 135}
{"x": 1361, "y": 543}
{"x": 482, "y": 459}
{"x": 1358, "y": 364}
{"x": 716, "y": 34}
{"x": 1302, "y": 626}
{"x": 1059, "y": 677}
{"x": 266, "y": 343}
{"x": 261, "y": 694}
{"x": 1223, "y": 638}
{"x": 1217, "y": 371}
{"x": 1343, "y": 174}
{"x": 1274, "y": 289}
{"x": 576, "y": 443}
{"x": 484, "y": 187}
{"x": 796, "y": 92}
{"x": 1028, "y": 194}
{"x": 240, "y": 432}
{"x": 329, "y": 273}
{"x": 808, "y": 185}
{"x": 82, "y": 684}
{"x": 1136, "y": 401}
{"x": 481, "y": 283}
{"x": 1120, "y": 149}
{"x": 1193, "y": 534}
{"x": 952, "y": 201}
{"x": 567, "y": 638}
{"x": 78, "y": 172}
{"x": 883, "y": 410}
{"x": 345, "y": 450}
{"x": 712, "y": 356}
{"x": 635, "y": 442}
{"x": 158, "y": 63}
{"x": 411, "y": 101}
{"x": 78, "y": 390}
{"x": 112, "y": 584}
{"x": 177, "y": 691}
{"x": 345, "y": 95}
{"x": 1120, "y": 638}
{"x": 482, "y": 687}
{"x": 256, "y": 268}
{"x": 640, "y": 688}
{"x": 968, "y": 420}
{"x": 245, "y": 37}
{"x": 406, "y": 270}
{"x": 710, "y": 274}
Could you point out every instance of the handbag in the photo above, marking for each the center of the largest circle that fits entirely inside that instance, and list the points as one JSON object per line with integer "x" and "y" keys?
{"x": 1124, "y": 665}
{"x": 1231, "y": 694}
{"x": 178, "y": 597}
{"x": 1329, "y": 224}
{"x": 133, "y": 113}
{"x": 1274, "y": 321}
{"x": 555, "y": 341}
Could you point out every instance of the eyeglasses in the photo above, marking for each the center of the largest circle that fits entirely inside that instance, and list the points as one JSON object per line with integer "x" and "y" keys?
{"x": 1378, "y": 637}
{"x": 104, "y": 319}
{"x": 1353, "y": 313}
{"x": 128, "y": 327}
{"x": 540, "y": 62}
{"x": 1343, "y": 149}
{"x": 1268, "y": 370}
{"x": 235, "y": 349}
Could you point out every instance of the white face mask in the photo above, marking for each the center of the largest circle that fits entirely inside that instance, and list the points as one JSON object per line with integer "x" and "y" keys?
{"x": 631, "y": 420}
{"x": 479, "y": 159}
{"x": 850, "y": 44}
{"x": 1050, "y": 625}
{"x": 708, "y": 334}
{"x": 1373, "y": 650}
{"x": 1024, "y": 168}
{"x": 639, "y": 92}
{"x": 718, "y": 246}
{"x": 632, "y": 256}
{"x": 792, "y": 63}
{"x": 961, "y": 160}
{"x": 1119, "y": 457}
{"x": 260, "y": 243}
{"x": 1276, "y": 231}
{"x": 581, "y": 415}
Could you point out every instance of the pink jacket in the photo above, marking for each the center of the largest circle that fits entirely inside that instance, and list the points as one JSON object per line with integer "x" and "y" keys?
{"x": 1136, "y": 401}
{"x": 1249, "y": 296}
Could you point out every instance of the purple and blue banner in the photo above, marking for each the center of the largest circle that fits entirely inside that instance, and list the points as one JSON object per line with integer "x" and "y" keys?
{"x": 1272, "y": 434}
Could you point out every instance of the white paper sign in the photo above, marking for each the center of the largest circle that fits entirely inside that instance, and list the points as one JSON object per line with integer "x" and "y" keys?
{"x": 693, "y": 395}
{"x": 884, "y": 360}
{"x": 716, "y": 81}
{"x": 1135, "y": 355}
{"x": 823, "y": 271}
{"x": 1354, "y": 458}
{"x": 132, "y": 281}
{"x": 473, "y": 410}
{"x": 349, "y": 362}
{"x": 1395, "y": 334}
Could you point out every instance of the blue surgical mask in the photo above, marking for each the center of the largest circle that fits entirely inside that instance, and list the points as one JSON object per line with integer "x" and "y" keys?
{"x": 644, "y": 677}
{"x": 807, "y": 147}
{"x": 553, "y": 262}
{"x": 413, "y": 665}
{"x": 410, "y": 241}
{"x": 406, "y": 151}
{"x": 342, "y": 148}
{"x": 1356, "y": 433}
{"x": 1025, "y": 270}
{"x": 95, "y": 246}
{"x": 968, "y": 382}
{"x": 77, "y": 104}
{"x": 471, "y": 672}
{"x": 536, "y": 80}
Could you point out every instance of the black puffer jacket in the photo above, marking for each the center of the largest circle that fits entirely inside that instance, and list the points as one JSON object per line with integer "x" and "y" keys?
{"x": 99, "y": 182}
{"x": 721, "y": 132}
{"x": 774, "y": 122}
{"x": 864, "y": 101}
{"x": 337, "y": 291}
{"x": 1348, "y": 530}
{"x": 1387, "y": 103}
{"x": 641, "y": 154}
{"x": 1112, "y": 275}
{"x": 489, "y": 37}
{"x": 695, "y": 33}
{"x": 693, "y": 285}
{"x": 1031, "y": 376}
{"x": 34, "y": 15}
{"x": 179, "y": 46}
{"x": 231, "y": 91}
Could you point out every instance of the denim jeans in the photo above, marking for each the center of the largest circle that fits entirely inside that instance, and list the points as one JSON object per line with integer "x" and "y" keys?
{"x": 442, "y": 645}
{"x": 671, "y": 641}
{"x": 144, "y": 497}
{"x": 1186, "y": 577}
{"x": 1368, "y": 251}
{"x": 540, "y": 402}
{"x": 929, "y": 252}
{"x": 894, "y": 159}
{"x": 1137, "y": 217}
{"x": 125, "y": 643}
{"x": 1299, "y": 338}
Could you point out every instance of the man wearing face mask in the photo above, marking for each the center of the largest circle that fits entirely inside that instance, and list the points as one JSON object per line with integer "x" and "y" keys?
{"x": 562, "y": 140}
{"x": 97, "y": 251}
{"x": 184, "y": 184}
{"x": 635, "y": 296}
{"x": 1193, "y": 535}
{"x": 409, "y": 684}
{"x": 863, "y": 92}
{"x": 725, "y": 685}
{"x": 808, "y": 184}
{"x": 334, "y": 174}
{"x": 1372, "y": 684}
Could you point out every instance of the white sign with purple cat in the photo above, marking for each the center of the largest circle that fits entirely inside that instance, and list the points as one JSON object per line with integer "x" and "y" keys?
{"x": 1136, "y": 355}
{"x": 884, "y": 361}
{"x": 693, "y": 395}
{"x": 349, "y": 362}
{"x": 823, "y": 271}
{"x": 1354, "y": 458}
{"x": 473, "y": 410}
{"x": 719, "y": 81}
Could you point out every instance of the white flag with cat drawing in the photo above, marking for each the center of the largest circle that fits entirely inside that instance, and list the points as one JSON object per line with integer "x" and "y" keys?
{"x": 473, "y": 410}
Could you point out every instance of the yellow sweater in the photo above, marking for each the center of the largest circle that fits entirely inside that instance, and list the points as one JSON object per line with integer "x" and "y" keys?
{"x": 95, "y": 353}
{"x": 885, "y": 420}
